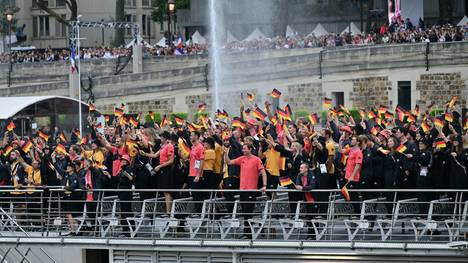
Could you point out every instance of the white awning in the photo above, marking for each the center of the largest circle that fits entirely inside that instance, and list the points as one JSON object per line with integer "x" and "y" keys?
{"x": 162, "y": 42}
{"x": 230, "y": 37}
{"x": 319, "y": 31}
{"x": 197, "y": 38}
{"x": 463, "y": 22}
{"x": 289, "y": 31}
{"x": 12, "y": 105}
{"x": 354, "y": 29}
{"x": 255, "y": 35}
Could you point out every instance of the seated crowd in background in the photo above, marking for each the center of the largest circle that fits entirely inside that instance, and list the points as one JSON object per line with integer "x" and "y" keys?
{"x": 396, "y": 32}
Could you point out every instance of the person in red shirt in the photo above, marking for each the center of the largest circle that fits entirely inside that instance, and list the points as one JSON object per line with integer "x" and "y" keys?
{"x": 250, "y": 168}
{"x": 354, "y": 165}
{"x": 195, "y": 178}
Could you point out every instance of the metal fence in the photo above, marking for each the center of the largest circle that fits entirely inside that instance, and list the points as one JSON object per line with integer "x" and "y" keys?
{"x": 371, "y": 215}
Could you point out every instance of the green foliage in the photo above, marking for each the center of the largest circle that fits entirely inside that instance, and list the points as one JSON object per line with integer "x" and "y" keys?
{"x": 157, "y": 118}
{"x": 355, "y": 114}
{"x": 301, "y": 113}
{"x": 198, "y": 114}
{"x": 4, "y": 25}
{"x": 437, "y": 112}
{"x": 182, "y": 115}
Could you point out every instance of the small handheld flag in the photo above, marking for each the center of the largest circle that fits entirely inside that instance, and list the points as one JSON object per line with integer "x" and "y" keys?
{"x": 275, "y": 94}
{"x": 285, "y": 181}
{"x": 401, "y": 149}
{"x": 327, "y": 102}
{"x": 11, "y": 126}
{"x": 345, "y": 193}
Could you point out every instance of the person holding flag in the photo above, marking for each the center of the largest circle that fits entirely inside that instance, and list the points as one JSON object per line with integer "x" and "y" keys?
{"x": 306, "y": 181}
{"x": 354, "y": 166}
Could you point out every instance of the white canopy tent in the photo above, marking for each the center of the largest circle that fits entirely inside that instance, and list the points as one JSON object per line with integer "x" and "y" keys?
{"x": 140, "y": 40}
{"x": 230, "y": 37}
{"x": 463, "y": 22}
{"x": 162, "y": 42}
{"x": 354, "y": 29}
{"x": 319, "y": 30}
{"x": 197, "y": 38}
{"x": 256, "y": 34}
{"x": 289, "y": 31}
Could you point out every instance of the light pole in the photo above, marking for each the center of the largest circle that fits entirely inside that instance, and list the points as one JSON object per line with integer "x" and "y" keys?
{"x": 170, "y": 11}
{"x": 80, "y": 117}
{"x": 9, "y": 17}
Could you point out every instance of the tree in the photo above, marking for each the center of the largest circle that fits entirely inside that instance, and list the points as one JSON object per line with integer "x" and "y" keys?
{"x": 119, "y": 16}
{"x": 71, "y": 4}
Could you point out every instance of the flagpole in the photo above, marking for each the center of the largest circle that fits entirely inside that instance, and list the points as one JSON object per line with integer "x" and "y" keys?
{"x": 80, "y": 117}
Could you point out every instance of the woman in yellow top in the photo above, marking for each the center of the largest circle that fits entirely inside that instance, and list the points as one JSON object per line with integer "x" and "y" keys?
{"x": 209, "y": 178}
{"x": 33, "y": 179}
{"x": 95, "y": 155}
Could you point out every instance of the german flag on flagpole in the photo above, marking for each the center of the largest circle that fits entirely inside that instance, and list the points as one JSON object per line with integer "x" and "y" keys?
{"x": 439, "y": 122}
{"x": 27, "y": 146}
{"x": 285, "y": 181}
{"x": 440, "y": 144}
{"x": 371, "y": 114}
{"x": 345, "y": 193}
{"x": 11, "y": 126}
{"x": 275, "y": 94}
{"x": 259, "y": 114}
{"x": 184, "y": 148}
{"x": 133, "y": 122}
{"x": 60, "y": 149}
{"x": 7, "y": 150}
{"x": 382, "y": 109}
{"x": 178, "y": 121}
{"x": 327, "y": 102}
{"x": 250, "y": 97}
{"x": 314, "y": 119}
{"x": 44, "y": 136}
{"x": 374, "y": 131}
{"x": 401, "y": 149}
{"x": 425, "y": 127}
{"x": 237, "y": 123}
{"x": 283, "y": 114}
{"x": 448, "y": 117}
{"x": 164, "y": 121}
{"x": 62, "y": 137}
{"x": 410, "y": 117}
{"x": 118, "y": 112}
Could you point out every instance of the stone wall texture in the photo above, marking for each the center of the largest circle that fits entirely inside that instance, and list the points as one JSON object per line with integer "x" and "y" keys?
{"x": 440, "y": 88}
{"x": 371, "y": 92}
{"x": 306, "y": 96}
{"x": 163, "y": 106}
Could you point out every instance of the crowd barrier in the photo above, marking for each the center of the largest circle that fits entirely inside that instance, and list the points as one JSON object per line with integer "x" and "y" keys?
{"x": 379, "y": 215}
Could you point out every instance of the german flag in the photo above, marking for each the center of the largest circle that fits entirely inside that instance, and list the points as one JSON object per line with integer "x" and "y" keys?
{"x": 439, "y": 122}
{"x": 440, "y": 144}
{"x": 91, "y": 107}
{"x": 285, "y": 181}
{"x": 201, "y": 107}
{"x": 164, "y": 121}
{"x": 425, "y": 127}
{"x": 238, "y": 123}
{"x": 314, "y": 119}
{"x": 333, "y": 112}
{"x": 259, "y": 114}
{"x": 416, "y": 110}
{"x": 275, "y": 94}
{"x": 344, "y": 159}
{"x": 7, "y": 150}
{"x": 274, "y": 120}
{"x": 133, "y": 122}
{"x": 11, "y": 126}
{"x": 327, "y": 102}
{"x": 124, "y": 120}
{"x": 374, "y": 131}
{"x": 388, "y": 115}
{"x": 250, "y": 97}
{"x": 193, "y": 127}
{"x": 283, "y": 114}
{"x": 448, "y": 117}
{"x": 84, "y": 141}
{"x": 410, "y": 117}
{"x": 60, "y": 149}
{"x": 44, "y": 136}
{"x": 400, "y": 114}
{"x": 383, "y": 151}
{"x": 288, "y": 109}
{"x": 106, "y": 118}
{"x": 371, "y": 114}
{"x": 184, "y": 148}
{"x": 62, "y": 137}
{"x": 118, "y": 112}
{"x": 382, "y": 109}
{"x": 345, "y": 193}
{"x": 362, "y": 113}
{"x": 401, "y": 149}
{"x": 27, "y": 146}
{"x": 178, "y": 121}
